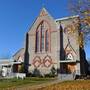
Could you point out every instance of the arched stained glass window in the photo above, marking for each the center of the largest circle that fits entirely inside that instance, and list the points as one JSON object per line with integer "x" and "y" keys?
{"x": 37, "y": 41}
{"x": 42, "y": 37}
{"x": 47, "y": 41}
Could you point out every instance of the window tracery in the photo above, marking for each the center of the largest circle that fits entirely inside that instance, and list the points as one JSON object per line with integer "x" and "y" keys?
{"x": 42, "y": 37}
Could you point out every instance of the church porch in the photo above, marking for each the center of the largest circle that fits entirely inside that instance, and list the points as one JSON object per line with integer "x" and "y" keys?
{"x": 67, "y": 67}
{"x": 67, "y": 70}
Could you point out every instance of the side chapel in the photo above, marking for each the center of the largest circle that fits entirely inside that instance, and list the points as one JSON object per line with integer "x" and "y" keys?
{"x": 54, "y": 43}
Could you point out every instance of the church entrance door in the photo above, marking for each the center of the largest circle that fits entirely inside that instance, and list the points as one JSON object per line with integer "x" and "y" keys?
{"x": 67, "y": 68}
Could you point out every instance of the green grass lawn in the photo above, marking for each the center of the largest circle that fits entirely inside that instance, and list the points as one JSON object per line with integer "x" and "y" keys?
{"x": 12, "y": 83}
{"x": 35, "y": 83}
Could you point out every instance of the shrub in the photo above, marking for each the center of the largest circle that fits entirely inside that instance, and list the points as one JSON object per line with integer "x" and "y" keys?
{"x": 36, "y": 73}
{"x": 53, "y": 71}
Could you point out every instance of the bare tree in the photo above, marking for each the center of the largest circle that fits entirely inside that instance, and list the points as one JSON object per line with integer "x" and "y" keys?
{"x": 82, "y": 8}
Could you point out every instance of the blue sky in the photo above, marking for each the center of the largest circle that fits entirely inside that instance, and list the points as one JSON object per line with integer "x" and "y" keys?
{"x": 16, "y": 16}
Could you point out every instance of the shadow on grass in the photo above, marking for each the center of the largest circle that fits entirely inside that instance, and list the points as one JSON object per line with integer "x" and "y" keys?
{"x": 8, "y": 83}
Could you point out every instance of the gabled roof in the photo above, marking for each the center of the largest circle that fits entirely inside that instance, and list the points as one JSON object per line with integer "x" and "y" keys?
{"x": 43, "y": 12}
{"x": 20, "y": 50}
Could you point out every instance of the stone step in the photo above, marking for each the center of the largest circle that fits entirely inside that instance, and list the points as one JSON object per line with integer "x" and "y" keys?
{"x": 66, "y": 77}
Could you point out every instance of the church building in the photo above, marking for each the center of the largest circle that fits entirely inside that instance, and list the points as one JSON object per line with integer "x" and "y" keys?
{"x": 54, "y": 43}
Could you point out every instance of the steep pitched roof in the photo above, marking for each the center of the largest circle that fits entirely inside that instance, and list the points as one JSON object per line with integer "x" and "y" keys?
{"x": 43, "y": 12}
{"x": 20, "y": 50}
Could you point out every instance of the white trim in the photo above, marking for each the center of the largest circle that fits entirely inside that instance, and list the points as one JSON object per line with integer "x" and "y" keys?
{"x": 60, "y": 19}
{"x": 65, "y": 61}
{"x": 10, "y": 63}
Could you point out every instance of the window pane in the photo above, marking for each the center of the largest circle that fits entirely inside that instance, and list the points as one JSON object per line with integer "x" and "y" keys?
{"x": 37, "y": 41}
{"x": 47, "y": 41}
{"x": 42, "y": 36}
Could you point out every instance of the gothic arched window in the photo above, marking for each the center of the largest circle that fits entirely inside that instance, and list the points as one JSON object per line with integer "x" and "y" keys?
{"x": 42, "y": 37}
{"x": 37, "y": 41}
{"x": 47, "y": 41}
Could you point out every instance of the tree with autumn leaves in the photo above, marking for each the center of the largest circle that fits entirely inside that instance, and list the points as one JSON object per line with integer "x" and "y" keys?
{"x": 81, "y": 8}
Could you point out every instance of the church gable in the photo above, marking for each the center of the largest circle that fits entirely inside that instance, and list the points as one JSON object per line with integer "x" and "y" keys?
{"x": 44, "y": 16}
{"x": 19, "y": 55}
{"x": 43, "y": 12}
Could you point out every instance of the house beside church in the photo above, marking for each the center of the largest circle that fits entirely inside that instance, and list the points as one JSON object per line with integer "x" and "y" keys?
{"x": 54, "y": 43}
{"x": 7, "y": 66}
